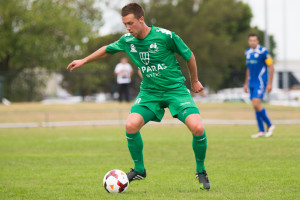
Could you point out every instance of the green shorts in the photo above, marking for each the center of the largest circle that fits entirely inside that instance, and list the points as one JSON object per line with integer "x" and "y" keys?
{"x": 176, "y": 100}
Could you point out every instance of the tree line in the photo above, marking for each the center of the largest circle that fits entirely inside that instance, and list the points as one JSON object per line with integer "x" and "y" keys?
{"x": 39, "y": 37}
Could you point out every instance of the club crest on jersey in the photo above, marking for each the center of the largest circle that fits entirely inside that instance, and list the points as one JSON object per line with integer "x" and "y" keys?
{"x": 132, "y": 48}
{"x": 153, "y": 48}
{"x": 145, "y": 58}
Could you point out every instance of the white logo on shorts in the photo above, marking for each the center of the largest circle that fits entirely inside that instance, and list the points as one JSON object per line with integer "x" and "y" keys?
{"x": 138, "y": 100}
{"x": 259, "y": 92}
{"x": 185, "y": 103}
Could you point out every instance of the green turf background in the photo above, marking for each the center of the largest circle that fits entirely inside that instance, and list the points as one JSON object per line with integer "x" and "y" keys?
{"x": 69, "y": 163}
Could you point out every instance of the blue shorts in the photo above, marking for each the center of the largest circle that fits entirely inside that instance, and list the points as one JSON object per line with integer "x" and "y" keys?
{"x": 257, "y": 92}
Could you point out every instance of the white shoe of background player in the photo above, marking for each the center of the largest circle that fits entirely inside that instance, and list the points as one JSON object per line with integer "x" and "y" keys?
{"x": 270, "y": 131}
{"x": 259, "y": 134}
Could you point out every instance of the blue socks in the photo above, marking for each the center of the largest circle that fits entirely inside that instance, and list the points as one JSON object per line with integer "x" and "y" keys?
{"x": 260, "y": 122}
{"x": 264, "y": 116}
{"x": 261, "y": 116}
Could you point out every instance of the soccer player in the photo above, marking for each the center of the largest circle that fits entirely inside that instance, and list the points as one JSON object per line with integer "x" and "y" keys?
{"x": 152, "y": 49}
{"x": 257, "y": 82}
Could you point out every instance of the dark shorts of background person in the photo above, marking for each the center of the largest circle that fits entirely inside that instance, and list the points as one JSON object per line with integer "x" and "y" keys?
{"x": 124, "y": 92}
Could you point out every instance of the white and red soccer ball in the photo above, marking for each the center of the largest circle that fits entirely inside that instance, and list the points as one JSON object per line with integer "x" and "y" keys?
{"x": 115, "y": 181}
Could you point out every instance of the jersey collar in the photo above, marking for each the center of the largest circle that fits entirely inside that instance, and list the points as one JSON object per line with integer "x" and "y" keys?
{"x": 148, "y": 33}
{"x": 255, "y": 50}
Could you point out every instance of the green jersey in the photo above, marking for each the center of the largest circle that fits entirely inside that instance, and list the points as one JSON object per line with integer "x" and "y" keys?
{"x": 155, "y": 57}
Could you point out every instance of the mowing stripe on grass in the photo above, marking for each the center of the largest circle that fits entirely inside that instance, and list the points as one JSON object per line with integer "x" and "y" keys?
{"x": 122, "y": 122}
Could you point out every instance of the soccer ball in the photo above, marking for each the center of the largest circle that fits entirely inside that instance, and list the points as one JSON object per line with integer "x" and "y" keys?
{"x": 115, "y": 181}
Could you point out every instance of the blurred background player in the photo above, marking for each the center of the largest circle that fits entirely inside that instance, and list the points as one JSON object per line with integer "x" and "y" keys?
{"x": 258, "y": 81}
{"x": 123, "y": 72}
{"x": 152, "y": 50}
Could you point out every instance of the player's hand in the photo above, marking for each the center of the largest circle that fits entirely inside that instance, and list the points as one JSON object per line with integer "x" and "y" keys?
{"x": 196, "y": 86}
{"x": 246, "y": 88}
{"x": 75, "y": 64}
{"x": 269, "y": 88}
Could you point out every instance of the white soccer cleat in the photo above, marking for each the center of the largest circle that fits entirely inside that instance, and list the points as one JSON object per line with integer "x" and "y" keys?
{"x": 270, "y": 131}
{"x": 259, "y": 134}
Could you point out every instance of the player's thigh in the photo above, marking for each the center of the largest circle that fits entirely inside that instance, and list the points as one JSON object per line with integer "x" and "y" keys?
{"x": 144, "y": 111}
{"x": 179, "y": 100}
{"x": 256, "y": 102}
{"x": 149, "y": 106}
{"x": 194, "y": 123}
{"x": 257, "y": 92}
{"x": 134, "y": 123}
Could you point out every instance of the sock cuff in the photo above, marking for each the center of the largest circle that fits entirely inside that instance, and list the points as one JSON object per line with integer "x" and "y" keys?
{"x": 133, "y": 135}
{"x": 201, "y": 136}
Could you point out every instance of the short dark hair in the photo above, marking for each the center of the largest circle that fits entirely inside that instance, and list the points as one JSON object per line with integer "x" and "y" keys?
{"x": 253, "y": 35}
{"x": 133, "y": 8}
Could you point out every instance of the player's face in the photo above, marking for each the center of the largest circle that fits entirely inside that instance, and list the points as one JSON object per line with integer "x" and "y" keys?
{"x": 133, "y": 25}
{"x": 253, "y": 42}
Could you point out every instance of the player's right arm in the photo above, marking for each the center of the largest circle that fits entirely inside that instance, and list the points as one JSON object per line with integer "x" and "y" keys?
{"x": 246, "y": 81}
{"x": 140, "y": 73}
{"x": 97, "y": 55}
{"x": 103, "y": 52}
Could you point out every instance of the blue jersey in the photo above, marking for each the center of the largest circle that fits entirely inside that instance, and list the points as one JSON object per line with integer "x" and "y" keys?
{"x": 256, "y": 63}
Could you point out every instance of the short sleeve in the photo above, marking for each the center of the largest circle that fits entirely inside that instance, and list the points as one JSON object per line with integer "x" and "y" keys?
{"x": 117, "y": 68}
{"x": 177, "y": 45}
{"x": 265, "y": 54}
{"x": 267, "y": 58}
{"x": 115, "y": 47}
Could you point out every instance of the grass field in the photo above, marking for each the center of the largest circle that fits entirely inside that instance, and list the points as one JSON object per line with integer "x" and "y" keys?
{"x": 34, "y": 112}
{"x": 69, "y": 163}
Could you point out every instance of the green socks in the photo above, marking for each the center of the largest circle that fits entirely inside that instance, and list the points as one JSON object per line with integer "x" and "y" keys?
{"x": 135, "y": 146}
{"x": 199, "y": 147}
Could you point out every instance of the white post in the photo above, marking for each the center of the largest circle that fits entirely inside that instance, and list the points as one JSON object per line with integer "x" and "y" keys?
{"x": 266, "y": 37}
{"x": 285, "y": 67}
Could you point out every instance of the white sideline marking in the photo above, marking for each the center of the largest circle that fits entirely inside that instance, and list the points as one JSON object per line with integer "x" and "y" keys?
{"x": 19, "y": 125}
{"x": 122, "y": 122}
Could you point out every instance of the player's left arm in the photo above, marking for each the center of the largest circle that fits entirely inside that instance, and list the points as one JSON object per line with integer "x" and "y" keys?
{"x": 269, "y": 63}
{"x": 196, "y": 86}
{"x": 177, "y": 45}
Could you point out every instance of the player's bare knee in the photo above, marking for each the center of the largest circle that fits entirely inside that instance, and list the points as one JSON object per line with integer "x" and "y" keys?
{"x": 132, "y": 127}
{"x": 256, "y": 107}
{"x": 198, "y": 130}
